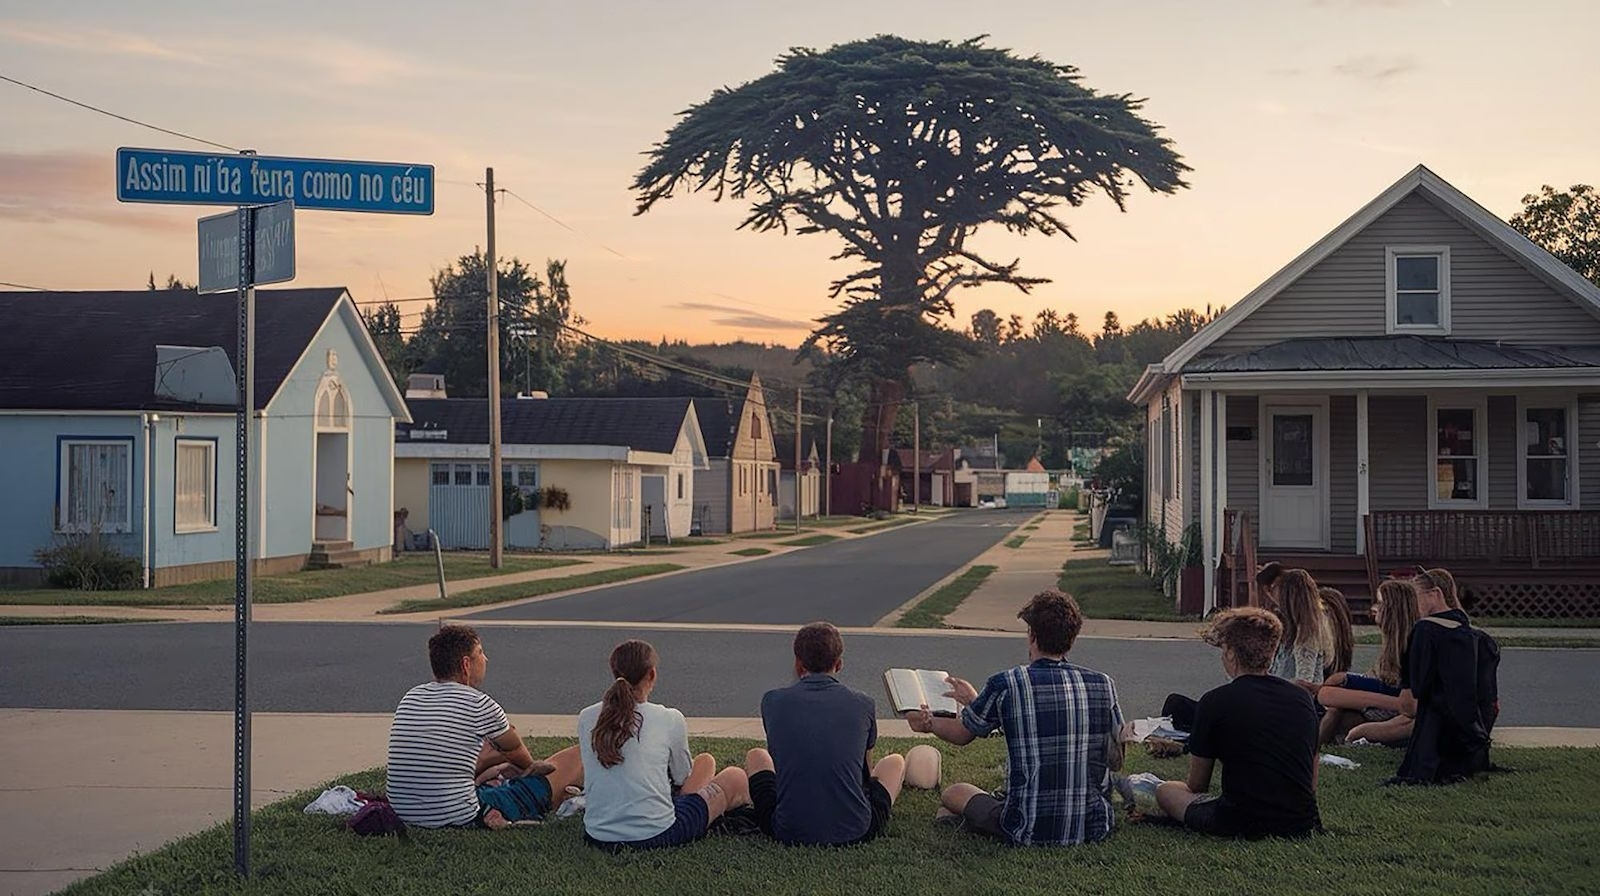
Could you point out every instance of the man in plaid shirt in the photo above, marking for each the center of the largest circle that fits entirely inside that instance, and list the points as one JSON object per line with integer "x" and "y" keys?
{"x": 1062, "y": 728}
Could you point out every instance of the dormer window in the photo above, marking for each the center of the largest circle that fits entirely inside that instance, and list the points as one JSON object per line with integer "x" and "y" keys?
{"x": 1418, "y": 289}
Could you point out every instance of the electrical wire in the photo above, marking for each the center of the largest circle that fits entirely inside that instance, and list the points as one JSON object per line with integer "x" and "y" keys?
{"x": 25, "y": 286}
{"x": 134, "y": 121}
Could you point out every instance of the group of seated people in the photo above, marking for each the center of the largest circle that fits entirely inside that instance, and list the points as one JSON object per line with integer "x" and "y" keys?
{"x": 455, "y": 759}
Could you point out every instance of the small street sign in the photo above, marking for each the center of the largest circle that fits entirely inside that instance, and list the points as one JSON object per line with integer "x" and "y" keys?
{"x": 273, "y": 259}
{"x": 174, "y": 177}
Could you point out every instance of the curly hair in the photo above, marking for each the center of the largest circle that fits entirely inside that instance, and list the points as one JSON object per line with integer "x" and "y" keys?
{"x": 1054, "y": 620}
{"x": 1252, "y": 634}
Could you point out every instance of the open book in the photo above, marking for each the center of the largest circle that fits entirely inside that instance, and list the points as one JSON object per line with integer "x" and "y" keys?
{"x": 911, "y": 689}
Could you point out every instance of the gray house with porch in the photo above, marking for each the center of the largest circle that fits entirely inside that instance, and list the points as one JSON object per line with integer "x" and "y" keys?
{"x": 1420, "y": 386}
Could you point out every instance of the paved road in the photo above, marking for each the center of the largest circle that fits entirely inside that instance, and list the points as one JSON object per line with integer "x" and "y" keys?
{"x": 311, "y": 667}
{"x": 854, "y": 582}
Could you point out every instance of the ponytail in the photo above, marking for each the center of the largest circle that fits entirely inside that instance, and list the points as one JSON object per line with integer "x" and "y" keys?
{"x": 631, "y": 661}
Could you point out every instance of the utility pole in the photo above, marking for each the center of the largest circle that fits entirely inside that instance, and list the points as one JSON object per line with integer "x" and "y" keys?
{"x": 916, "y": 455}
{"x": 798, "y": 492}
{"x": 827, "y": 470}
{"x": 496, "y": 491}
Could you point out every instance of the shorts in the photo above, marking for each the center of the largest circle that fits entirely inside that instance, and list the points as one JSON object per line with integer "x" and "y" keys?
{"x": 691, "y": 819}
{"x": 764, "y": 795}
{"x": 983, "y": 813}
{"x": 1206, "y": 815}
{"x": 1369, "y": 684}
{"x": 519, "y": 799}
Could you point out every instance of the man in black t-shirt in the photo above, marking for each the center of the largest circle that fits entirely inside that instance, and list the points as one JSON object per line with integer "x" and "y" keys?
{"x": 1263, "y": 730}
{"x": 814, "y": 784}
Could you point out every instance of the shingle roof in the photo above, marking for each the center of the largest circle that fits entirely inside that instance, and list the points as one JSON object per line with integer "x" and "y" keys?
{"x": 642, "y": 424}
{"x": 1397, "y": 353}
{"x": 783, "y": 444}
{"x": 717, "y": 419}
{"x": 97, "y": 350}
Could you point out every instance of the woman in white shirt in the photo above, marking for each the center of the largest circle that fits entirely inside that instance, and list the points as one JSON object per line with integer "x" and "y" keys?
{"x": 641, "y": 789}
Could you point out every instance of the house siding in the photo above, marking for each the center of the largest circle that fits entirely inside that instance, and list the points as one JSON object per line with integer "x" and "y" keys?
{"x": 29, "y": 482}
{"x": 1397, "y": 452}
{"x": 1589, "y": 451}
{"x": 1493, "y": 297}
{"x": 712, "y": 495}
{"x": 1502, "y": 425}
{"x": 1342, "y": 485}
{"x": 412, "y": 487}
{"x": 1244, "y": 459}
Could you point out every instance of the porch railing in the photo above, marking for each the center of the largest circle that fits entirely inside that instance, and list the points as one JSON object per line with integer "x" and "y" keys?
{"x": 1533, "y": 537}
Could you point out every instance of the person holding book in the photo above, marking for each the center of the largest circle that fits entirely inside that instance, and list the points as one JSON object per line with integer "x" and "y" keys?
{"x": 1062, "y": 727}
{"x": 642, "y": 790}
{"x": 815, "y": 783}
{"x": 1262, "y": 729}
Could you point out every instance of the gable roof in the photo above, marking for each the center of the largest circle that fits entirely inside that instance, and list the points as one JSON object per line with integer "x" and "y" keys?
{"x": 719, "y": 419}
{"x": 96, "y": 350}
{"x": 1418, "y": 180}
{"x": 640, "y": 424}
{"x": 783, "y": 444}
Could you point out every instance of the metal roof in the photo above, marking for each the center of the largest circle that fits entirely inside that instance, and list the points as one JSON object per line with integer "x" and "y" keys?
{"x": 1397, "y": 353}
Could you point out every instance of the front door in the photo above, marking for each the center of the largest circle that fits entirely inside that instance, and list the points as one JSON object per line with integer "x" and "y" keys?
{"x": 1294, "y": 476}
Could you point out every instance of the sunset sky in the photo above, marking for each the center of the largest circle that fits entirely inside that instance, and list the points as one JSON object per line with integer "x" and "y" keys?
{"x": 1293, "y": 113}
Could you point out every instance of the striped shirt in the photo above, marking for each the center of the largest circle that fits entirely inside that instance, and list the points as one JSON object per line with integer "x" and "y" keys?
{"x": 1060, "y": 721}
{"x": 438, "y": 729}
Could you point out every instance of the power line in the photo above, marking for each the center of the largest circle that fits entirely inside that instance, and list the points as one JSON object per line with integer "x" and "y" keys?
{"x": 25, "y": 286}
{"x": 134, "y": 121}
{"x": 518, "y": 196}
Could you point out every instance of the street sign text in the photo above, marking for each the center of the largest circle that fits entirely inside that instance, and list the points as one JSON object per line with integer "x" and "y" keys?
{"x": 274, "y": 248}
{"x": 198, "y": 178}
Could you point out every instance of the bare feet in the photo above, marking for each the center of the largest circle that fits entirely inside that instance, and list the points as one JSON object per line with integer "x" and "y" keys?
{"x": 494, "y": 821}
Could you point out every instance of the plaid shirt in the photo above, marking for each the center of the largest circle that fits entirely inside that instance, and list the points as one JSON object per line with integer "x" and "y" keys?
{"x": 1059, "y": 721}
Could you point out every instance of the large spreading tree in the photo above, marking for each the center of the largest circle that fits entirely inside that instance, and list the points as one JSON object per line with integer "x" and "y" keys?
{"x": 1567, "y": 223}
{"x": 903, "y": 150}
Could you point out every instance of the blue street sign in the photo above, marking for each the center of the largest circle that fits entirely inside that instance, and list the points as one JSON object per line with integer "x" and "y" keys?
{"x": 173, "y": 177}
{"x": 274, "y": 248}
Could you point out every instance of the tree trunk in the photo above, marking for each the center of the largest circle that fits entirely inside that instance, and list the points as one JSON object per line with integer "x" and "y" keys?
{"x": 878, "y": 419}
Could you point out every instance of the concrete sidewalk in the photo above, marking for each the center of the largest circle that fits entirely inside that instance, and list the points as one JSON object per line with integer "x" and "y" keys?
{"x": 169, "y": 774}
{"x": 1019, "y": 574}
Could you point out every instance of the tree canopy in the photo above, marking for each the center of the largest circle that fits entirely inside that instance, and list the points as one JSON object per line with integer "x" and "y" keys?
{"x": 1567, "y": 223}
{"x": 903, "y": 150}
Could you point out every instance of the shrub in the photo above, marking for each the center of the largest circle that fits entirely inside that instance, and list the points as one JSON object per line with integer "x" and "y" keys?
{"x": 83, "y": 560}
{"x": 556, "y": 498}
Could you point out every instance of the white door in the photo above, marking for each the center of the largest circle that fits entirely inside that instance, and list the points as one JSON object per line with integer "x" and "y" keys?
{"x": 1294, "y": 476}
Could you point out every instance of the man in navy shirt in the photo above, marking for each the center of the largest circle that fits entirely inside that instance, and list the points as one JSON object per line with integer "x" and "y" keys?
{"x": 815, "y": 782}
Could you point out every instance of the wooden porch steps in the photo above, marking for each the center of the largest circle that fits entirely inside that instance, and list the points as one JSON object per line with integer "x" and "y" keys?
{"x": 335, "y": 555}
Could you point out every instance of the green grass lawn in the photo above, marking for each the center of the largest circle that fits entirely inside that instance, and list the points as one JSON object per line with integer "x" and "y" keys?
{"x": 1080, "y": 531}
{"x": 1016, "y": 541}
{"x": 1532, "y": 831}
{"x": 886, "y": 524}
{"x": 70, "y": 620}
{"x": 410, "y": 569}
{"x": 808, "y": 541}
{"x": 1532, "y": 622}
{"x": 1114, "y": 592}
{"x": 1030, "y": 527}
{"x": 1373, "y": 639}
{"x": 501, "y": 593}
{"x": 751, "y": 552}
{"x": 931, "y": 610}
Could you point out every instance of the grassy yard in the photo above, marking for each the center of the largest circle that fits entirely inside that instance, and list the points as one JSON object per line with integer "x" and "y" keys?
{"x": 931, "y": 610}
{"x": 751, "y": 552}
{"x": 410, "y": 569}
{"x": 1016, "y": 541}
{"x": 1576, "y": 642}
{"x": 1080, "y": 531}
{"x": 808, "y": 541}
{"x": 1114, "y": 592}
{"x": 501, "y": 593}
{"x": 1512, "y": 833}
{"x": 70, "y": 620}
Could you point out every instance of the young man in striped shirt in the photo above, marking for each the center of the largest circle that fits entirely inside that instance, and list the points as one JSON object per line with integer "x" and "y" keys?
{"x": 1062, "y": 728}
{"x": 447, "y": 737}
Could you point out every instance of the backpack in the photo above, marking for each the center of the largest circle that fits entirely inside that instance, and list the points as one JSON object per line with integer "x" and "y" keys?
{"x": 376, "y": 818}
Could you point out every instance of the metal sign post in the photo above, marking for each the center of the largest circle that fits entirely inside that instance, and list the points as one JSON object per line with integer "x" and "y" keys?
{"x": 244, "y": 576}
{"x": 277, "y": 185}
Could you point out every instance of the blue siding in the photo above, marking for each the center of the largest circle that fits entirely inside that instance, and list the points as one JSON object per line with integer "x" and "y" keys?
{"x": 29, "y": 479}
{"x": 173, "y": 548}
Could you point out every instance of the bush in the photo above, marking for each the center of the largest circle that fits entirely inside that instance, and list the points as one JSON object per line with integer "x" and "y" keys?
{"x": 556, "y": 498}
{"x": 1069, "y": 499}
{"x": 85, "y": 562}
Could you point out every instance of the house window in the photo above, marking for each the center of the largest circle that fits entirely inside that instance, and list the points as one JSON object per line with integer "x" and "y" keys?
{"x": 481, "y": 472}
{"x": 463, "y": 474}
{"x": 96, "y": 486}
{"x": 1459, "y": 451}
{"x": 440, "y": 473}
{"x": 680, "y": 486}
{"x": 527, "y": 476}
{"x": 1419, "y": 289}
{"x": 194, "y": 494}
{"x": 1546, "y": 460}
{"x": 755, "y": 425}
{"x": 1167, "y": 448}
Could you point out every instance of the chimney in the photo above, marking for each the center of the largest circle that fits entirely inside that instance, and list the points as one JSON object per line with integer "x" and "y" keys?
{"x": 425, "y": 385}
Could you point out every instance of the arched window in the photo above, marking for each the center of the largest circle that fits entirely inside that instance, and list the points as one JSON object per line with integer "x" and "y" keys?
{"x": 333, "y": 405}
